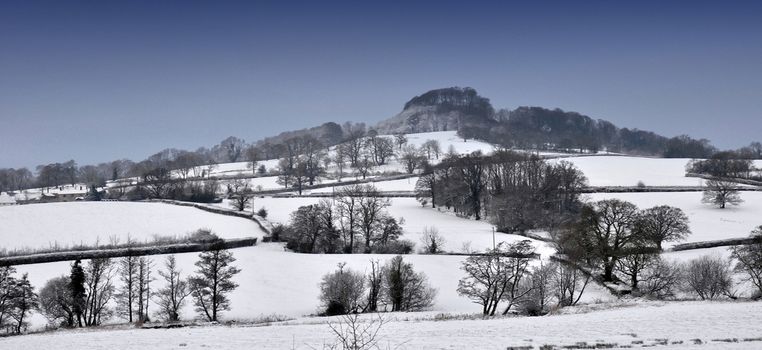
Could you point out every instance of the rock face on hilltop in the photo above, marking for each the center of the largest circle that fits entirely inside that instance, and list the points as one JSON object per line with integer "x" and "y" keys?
{"x": 446, "y": 109}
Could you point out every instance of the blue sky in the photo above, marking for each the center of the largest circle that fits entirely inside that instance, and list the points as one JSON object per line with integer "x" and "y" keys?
{"x": 99, "y": 80}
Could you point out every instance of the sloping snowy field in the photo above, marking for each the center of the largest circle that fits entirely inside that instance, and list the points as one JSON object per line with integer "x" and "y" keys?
{"x": 42, "y": 225}
{"x": 686, "y": 325}
{"x": 272, "y": 281}
{"x": 458, "y": 232}
{"x": 628, "y": 171}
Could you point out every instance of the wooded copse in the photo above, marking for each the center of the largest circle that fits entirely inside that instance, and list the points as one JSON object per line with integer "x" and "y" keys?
{"x": 355, "y": 220}
{"x": 394, "y": 285}
{"x": 515, "y": 191}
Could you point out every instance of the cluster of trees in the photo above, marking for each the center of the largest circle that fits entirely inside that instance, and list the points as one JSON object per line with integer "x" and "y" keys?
{"x": 724, "y": 165}
{"x": 617, "y": 237}
{"x": 624, "y": 244}
{"x": 305, "y": 159}
{"x": 517, "y": 191}
{"x": 503, "y": 276}
{"x": 394, "y": 286}
{"x": 85, "y": 297}
{"x": 17, "y": 300}
{"x": 355, "y": 220}
{"x": 707, "y": 277}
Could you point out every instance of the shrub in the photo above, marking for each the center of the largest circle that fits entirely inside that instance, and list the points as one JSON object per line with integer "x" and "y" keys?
{"x": 401, "y": 246}
{"x": 262, "y": 212}
{"x": 709, "y": 277}
{"x": 661, "y": 279}
{"x": 433, "y": 242}
{"x": 342, "y": 291}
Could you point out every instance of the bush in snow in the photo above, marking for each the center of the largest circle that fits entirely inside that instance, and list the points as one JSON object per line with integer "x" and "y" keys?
{"x": 661, "y": 279}
{"x": 497, "y": 276}
{"x": 342, "y": 291}
{"x": 433, "y": 242}
{"x": 262, "y": 212}
{"x": 400, "y": 246}
{"x": 709, "y": 277}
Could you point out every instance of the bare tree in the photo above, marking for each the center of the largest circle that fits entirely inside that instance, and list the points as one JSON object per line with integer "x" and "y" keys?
{"x": 142, "y": 285}
{"x": 99, "y": 291}
{"x": 433, "y": 242}
{"x": 721, "y": 193}
{"x": 241, "y": 194}
{"x": 432, "y": 149}
{"x": 633, "y": 265}
{"x": 371, "y": 209}
{"x": 340, "y": 160}
{"x": 230, "y": 149}
{"x": 252, "y": 155}
{"x": 342, "y": 291}
{"x": 663, "y": 224}
{"x": 426, "y": 186}
{"x": 538, "y": 300}
{"x": 496, "y": 276}
{"x": 24, "y": 301}
{"x": 125, "y": 297}
{"x": 171, "y": 298}
{"x": 56, "y": 302}
{"x": 375, "y": 283}
{"x": 406, "y": 290}
{"x": 212, "y": 282}
{"x": 382, "y": 148}
{"x": 749, "y": 260}
{"x": 569, "y": 284}
{"x": 364, "y": 166}
{"x": 411, "y": 158}
{"x": 352, "y": 333}
{"x": 606, "y": 232}
{"x": 348, "y": 207}
{"x": 661, "y": 279}
{"x": 709, "y": 277}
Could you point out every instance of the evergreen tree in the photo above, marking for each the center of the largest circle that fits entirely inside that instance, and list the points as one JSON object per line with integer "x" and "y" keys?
{"x": 77, "y": 290}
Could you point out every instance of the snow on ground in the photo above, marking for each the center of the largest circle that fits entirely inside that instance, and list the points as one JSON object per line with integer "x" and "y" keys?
{"x": 447, "y": 139}
{"x": 706, "y": 222}
{"x": 41, "y": 225}
{"x": 273, "y": 281}
{"x": 628, "y": 171}
{"x": 678, "y": 325}
{"x": 458, "y": 232}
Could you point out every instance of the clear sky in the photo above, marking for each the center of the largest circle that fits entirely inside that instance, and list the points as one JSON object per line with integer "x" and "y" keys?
{"x": 99, "y": 80}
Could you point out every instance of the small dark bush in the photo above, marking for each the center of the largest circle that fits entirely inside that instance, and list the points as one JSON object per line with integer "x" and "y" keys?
{"x": 335, "y": 308}
{"x": 395, "y": 247}
{"x": 262, "y": 212}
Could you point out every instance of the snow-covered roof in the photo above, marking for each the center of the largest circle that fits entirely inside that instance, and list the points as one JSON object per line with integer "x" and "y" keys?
{"x": 6, "y": 199}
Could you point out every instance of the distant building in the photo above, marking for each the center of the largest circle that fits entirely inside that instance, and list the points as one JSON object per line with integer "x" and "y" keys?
{"x": 5, "y": 199}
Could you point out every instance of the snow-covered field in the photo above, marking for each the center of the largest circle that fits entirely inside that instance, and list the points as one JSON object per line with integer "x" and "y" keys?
{"x": 274, "y": 281}
{"x": 459, "y": 233}
{"x": 628, "y": 171}
{"x": 42, "y": 225}
{"x": 679, "y": 325}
